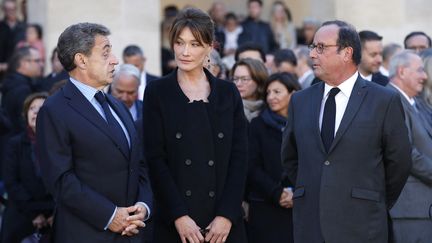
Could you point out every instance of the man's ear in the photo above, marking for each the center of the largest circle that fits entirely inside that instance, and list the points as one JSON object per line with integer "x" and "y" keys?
{"x": 349, "y": 51}
{"x": 80, "y": 60}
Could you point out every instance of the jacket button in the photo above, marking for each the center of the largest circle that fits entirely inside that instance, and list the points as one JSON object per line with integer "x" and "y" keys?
{"x": 220, "y": 135}
{"x": 211, "y": 163}
{"x": 178, "y": 135}
{"x": 188, "y": 193}
{"x": 188, "y": 162}
{"x": 327, "y": 162}
{"x": 211, "y": 193}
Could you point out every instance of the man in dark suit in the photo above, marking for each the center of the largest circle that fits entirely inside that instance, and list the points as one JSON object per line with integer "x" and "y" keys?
{"x": 410, "y": 214}
{"x": 88, "y": 147}
{"x": 371, "y": 57}
{"x": 125, "y": 88}
{"x": 345, "y": 146}
{"x": 132, "y": 54}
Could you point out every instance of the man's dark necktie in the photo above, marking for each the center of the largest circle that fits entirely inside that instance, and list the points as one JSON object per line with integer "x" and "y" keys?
{"x": 113, "y": 125}
{"x": 328, "y": 120}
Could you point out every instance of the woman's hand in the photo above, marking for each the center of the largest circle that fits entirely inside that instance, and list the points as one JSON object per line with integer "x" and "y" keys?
{"x": 218, "y": 229}
{"x": 40, "y": 221}
{"x": 188, "y": 230}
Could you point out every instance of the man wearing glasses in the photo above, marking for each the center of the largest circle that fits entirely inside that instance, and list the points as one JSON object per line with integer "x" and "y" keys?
{"x": 24, "y": 67}
{"x": 345, "y": 146}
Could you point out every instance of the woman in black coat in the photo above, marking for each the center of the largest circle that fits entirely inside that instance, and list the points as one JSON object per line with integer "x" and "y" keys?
{"x": 29, "y": 206}
{"x": 270, "y": 196}
{"x": 195, "y": 141}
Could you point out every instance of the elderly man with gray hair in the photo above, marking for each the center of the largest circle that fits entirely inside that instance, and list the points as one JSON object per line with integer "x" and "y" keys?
{"x": 125, "y": 88}
{"x": 411, "y": 213}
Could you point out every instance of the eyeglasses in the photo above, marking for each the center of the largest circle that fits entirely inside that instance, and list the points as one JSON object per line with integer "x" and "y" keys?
{"x": 242, "y": 79}
{"x": 34, "y": 60}
{"x": 319, "y": 47}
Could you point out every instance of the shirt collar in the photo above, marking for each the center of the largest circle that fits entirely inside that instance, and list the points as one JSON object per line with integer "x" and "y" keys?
{"x": 410, "y": 100}
{"x": 345, "y": 87}
{"x": 88, "y": 91}
{"x": 367, "y": 78}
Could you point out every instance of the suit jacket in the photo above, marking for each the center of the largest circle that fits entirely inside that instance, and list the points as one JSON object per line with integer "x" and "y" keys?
{"x": 203, "y": 188}
{"x": 150, "y": 77}
{"x": 84, "y": 168}
{"x": 380, "y": 79}
{"x": 139, "y": 108}
{"x": 416, "y": 197}
{"x": 259, "y": 32}
{"x": 343, "y": 195}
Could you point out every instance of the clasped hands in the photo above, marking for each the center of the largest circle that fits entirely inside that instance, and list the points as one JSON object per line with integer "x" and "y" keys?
{"x": 128, "y": 220}
{"x": 216, "y": 232}
{"x": 286, "y": 199}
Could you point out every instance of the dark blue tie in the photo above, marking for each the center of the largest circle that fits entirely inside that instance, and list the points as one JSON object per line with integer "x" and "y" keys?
{"x": 328, "y": 120}
{"x": 113, "y": 125}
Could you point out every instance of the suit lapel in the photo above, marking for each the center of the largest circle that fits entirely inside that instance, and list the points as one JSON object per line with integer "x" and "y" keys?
{"x": 317, "y": 96}
{"x": 82, "y": 106}
{"x": 357, "y": 95}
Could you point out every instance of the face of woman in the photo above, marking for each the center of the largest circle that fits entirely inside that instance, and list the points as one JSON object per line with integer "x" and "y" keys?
{"x": 278, "y": 98}
{"x": 31, "y": 34}
{"x": 246, "y": 86}
{"x": 189, "y": 53}
{"x": 279, "y": 12}
{"x": 33, "y": 111}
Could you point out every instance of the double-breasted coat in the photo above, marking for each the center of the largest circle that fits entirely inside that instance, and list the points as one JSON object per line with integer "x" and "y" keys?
{"x": 197, "y": 155}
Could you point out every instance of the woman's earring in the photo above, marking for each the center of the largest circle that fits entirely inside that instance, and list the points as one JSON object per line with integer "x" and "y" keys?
{"x": 208, "y": 64}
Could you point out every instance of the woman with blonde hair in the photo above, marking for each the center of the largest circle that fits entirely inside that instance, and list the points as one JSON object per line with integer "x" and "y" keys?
{"x": 282, "y": 26}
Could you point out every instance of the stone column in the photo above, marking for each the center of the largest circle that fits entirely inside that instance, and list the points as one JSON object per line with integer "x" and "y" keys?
{"x": 130, "y": 22}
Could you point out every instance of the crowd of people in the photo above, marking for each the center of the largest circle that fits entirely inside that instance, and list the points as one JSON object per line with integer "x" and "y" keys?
{"x": 256, "y": 132}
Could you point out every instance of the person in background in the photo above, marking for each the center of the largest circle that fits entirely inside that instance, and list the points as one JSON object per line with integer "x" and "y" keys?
{"x": 256, "y": 30}
{"x": 216, "y": 66}
{"x": 12, "y": 31}
{"x": 132, "y": 54}
{"x": 33, "y": 38}
{"x": 424, "y": 99}
{"x": 389, "y": 51}
{"x": 417, "y": 41}
{"x": 307, "y": 31}
{"x": 249, "y": 75}
{"x": 195, "y": 143}
{"x": 282, "y": 26}
{"x": 233, "y": 36}
{"x": 250, "y": 50}
{"x": 371, "y": 57}
{"x": 304, "y": 70}
{"x": 57, "y": 74}
{"x": 29, "y": 206}
{"x": 270, "y": 191}
{"x": 125, "y": 88}
{"x": 411, "y": 213}
{"x": 284, "y": 60}
{"x": 24, "y": 67}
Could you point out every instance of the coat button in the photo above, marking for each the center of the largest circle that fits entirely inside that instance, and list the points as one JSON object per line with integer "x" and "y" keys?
{"x": 188, "y": 193}
{"x": 220, "y": 135}
{"x": 211, "y": 193}
{"x": 178, "y": 135}
{"x": 211, "y": 163}
{"x": 327, "y": 162}
{"x": 188, "y": 162}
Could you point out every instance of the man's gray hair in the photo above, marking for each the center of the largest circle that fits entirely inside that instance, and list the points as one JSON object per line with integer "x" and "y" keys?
{"x": 402, "y": 59}
{"x": 390, "y": 49}
{"x": 127, "y": 69}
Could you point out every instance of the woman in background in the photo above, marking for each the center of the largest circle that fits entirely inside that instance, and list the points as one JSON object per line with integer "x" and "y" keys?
{"x": 29, "y": 206}
{"x": 249, "y": 75}
{"x": 33, "y": 38}
{"x": 270, "y": 196}
{"x": 282, "y": 26}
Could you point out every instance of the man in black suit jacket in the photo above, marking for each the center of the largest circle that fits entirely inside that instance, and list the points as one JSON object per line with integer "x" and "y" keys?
{"x": 88, "y": 147}
{"x": 345, "y": 146}
{"x": 371, "y": 57}
{"x": 132, "y": 54}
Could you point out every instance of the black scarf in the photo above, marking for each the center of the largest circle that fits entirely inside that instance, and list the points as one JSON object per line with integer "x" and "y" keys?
{"x": 274, "y": 120}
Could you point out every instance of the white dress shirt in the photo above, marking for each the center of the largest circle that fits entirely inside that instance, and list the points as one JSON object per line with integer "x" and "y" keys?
{"x": 341, "y": 99}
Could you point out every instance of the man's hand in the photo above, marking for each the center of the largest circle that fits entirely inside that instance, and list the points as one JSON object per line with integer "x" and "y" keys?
{"x": 119, "y": 222}
{"x": 188, "y": 230}
{"x": 219, "y": 229}
{"x": 286, "y": 199}
{"x": 136, "y": 220}
{"x": 40, "y": 221}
